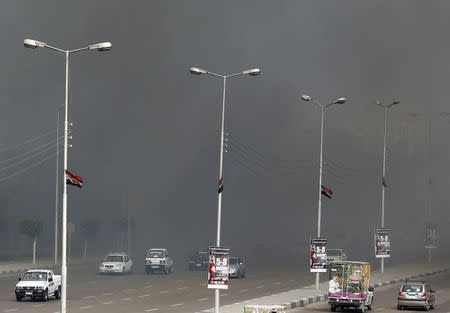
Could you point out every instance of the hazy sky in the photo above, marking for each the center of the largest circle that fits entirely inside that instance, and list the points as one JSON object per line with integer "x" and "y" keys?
{"x": 146, "y": 128}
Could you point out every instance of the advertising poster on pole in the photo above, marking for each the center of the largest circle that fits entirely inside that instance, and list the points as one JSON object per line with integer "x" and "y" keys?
{"x": 431, "y": 241}
{"x": 318, "y": 255}
{"x": 382, "y": 243}
{"x": 218, "y": 268}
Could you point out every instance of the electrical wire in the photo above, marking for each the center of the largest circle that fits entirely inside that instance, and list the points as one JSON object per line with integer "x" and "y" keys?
{"x": 28, "y": 141}
{"x": 27, "y": 168}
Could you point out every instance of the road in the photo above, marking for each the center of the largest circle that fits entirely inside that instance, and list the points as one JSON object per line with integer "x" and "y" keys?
{"x": 182, "y": 291}
{"x": 385, "y": 297}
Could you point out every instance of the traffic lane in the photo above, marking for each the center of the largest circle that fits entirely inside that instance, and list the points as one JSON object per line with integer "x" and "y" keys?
{"x": 87, "y": 290}
{"x": 385, "y": 298}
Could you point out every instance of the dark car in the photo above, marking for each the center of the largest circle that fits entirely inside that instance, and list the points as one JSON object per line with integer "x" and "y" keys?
{"x": 199, "y": 261}
{"x": 415, "y": 294}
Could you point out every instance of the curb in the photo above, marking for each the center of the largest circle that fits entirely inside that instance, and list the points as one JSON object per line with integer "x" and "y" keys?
{"x": 302, "y": 302}
{"x": 21, "y": 270}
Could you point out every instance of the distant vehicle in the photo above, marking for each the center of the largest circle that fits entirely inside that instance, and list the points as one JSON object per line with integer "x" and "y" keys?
{"x": 157, "y": 259}
{"x": 236, "y": 267}
{"x": 119, "y": 263}
{"x": 415, "y": 294}
{"x": 38, "y": 284}
{"x": 199, "y": 260}
{"x": 349, "y": 286}
{"x": 336, "y": 255}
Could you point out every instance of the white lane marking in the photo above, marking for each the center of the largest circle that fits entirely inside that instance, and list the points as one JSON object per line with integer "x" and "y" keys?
{"x": 110, "y": 302}
{"x": 380, "y": 309}
{"x": 243, "y": 290}
{"x": 86, "y": 307}
{"x": 202, "y": 299}
{"x": 107, "y": 294}
{"x": 259, "y": 287}
{"x": 224, "y": 294}
{"x": 128, "y": 290}
{"x": 37, "y": 305}
{"x": 148, "y": 287}
{"x": 277, "y": 283}
{"x": 181, "y": 288}
{"x": 176, "y": 304}
{"x": 10, "y": 310}
{"x": 126, "y": 299}
{"x": 143, "y": 296}
{"x": 150, "y": 310}
{"x": 88, "y": 297}
{"x": 164, "y": 291}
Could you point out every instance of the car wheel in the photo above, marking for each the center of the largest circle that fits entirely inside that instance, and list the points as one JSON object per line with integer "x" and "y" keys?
{"x": 19, "y": 298}
{"x": 45, "y": 297}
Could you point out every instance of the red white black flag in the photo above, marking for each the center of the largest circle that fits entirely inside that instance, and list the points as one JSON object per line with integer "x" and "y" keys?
{"x": 73, "y": 179}
{"x": 327, "y": 192}
{"x": 220, "y": 185}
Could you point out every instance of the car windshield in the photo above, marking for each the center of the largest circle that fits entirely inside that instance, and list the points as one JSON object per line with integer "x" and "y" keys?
{"x": 334, "y": 252}
{"x": 233, "y": 261}
{"x": 35, "y": 276}
{"x": 412, "y": 288}
{"x": 155, "y": 254}
{"x": 200, "y": 256}
{"x": 113, "y": 258}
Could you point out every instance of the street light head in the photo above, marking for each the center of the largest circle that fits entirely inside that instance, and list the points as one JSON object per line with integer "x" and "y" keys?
{"x": 252, "y": 72}
{"x": 340, "y": 101}
{"x": 102, "y": 46}
{"x": 33, "y": 44}
{"x": 197, "y": 71}
{"x": 305, "y": 98}
{"x": 395, "y": 102}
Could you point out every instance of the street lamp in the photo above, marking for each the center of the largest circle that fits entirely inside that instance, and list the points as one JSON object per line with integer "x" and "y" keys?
{"x": 103, "y": 46}
{"x": 199, "y": 71}
{"x": 383, "y": 185}
{"x": 319, "y": 207}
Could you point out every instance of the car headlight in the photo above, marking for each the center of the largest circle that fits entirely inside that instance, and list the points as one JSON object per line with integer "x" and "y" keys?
{"x": 162, "y": 262}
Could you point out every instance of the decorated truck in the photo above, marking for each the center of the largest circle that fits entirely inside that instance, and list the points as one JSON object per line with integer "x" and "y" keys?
{"x": 349, "y": 287}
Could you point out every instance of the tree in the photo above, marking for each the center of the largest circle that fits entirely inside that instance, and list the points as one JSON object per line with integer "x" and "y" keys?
{"x": 88, "y": 229}
{"x": 32, "y": 228}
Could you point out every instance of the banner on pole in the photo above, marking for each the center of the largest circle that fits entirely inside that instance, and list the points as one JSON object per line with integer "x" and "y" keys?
{"x": 382, "y": 243}
{"x": 318, "y": 255}
{"x": 430, "y": 236}
{"x": 218, "y": 267}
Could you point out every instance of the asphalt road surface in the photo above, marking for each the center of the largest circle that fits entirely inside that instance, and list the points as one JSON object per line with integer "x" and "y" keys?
{"x": 181, "y": 291}
{"x": 385, "y": 297}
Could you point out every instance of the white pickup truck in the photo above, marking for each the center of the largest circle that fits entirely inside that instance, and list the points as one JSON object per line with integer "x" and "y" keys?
{"x": 38, "y": 284}
{"x": 157, "y": 259}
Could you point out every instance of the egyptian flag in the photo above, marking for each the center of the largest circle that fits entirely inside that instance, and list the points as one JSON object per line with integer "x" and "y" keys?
{"x": 327, "y": 192}
{"x": 73, "y": 179}
{"x": 384, "y": 182}
{"x": 220, "y": 185}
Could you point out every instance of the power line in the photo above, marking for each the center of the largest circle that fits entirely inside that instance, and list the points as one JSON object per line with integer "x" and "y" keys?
{"x": 28, "y": 141}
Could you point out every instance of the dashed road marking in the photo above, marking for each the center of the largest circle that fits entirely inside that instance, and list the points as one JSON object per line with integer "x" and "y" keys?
{"x": 148, "y": 286}
{"x": 88, "y": 297}
{"x": 110, "y": 302}
{"x": 243, "y": 290}
{"x": 259, "y": 287}
{"x": 86, "y": 307}
{"x": 143, "y": 296}
{"x": 10, "y": 310}
{"x": 181, "y": 288}
{"x": 126, "y": 299}
{"x": 151, "y": 310}
{"x": 224, "y": 294}
{"x": 202, "y": 299}
{"x": 107, "y": 294}
{"x": 176, "y": 304}
{"x": 37, "y": 305}
{"x": 164, "y": 291}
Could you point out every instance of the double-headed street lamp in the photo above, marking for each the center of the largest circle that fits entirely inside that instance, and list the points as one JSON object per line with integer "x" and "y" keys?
{"x": 199, "y": 71}
{"x": 383, "y": 183}
{"x": 103, "y": 46}
{"x": 319, "y": 207}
